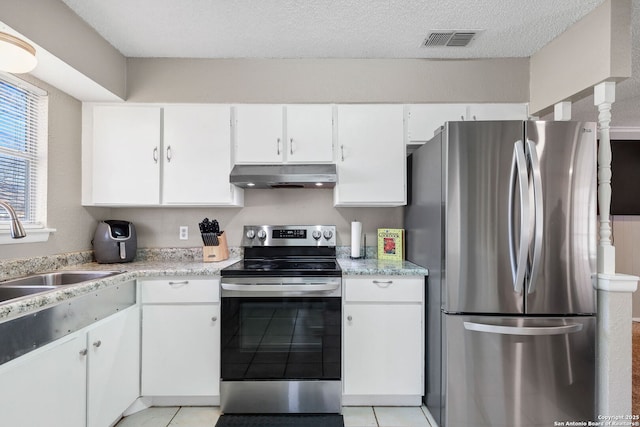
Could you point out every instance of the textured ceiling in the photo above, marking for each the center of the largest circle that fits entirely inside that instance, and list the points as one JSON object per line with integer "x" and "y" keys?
{"x": 325, "y": 28}
{"x": 348, "y": 29}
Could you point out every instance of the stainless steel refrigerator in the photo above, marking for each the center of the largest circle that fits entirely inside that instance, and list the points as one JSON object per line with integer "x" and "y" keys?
{"x": 503, "y": 214}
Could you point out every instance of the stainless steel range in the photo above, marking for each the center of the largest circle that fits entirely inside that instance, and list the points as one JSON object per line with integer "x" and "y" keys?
{"x": 281, "y": 323}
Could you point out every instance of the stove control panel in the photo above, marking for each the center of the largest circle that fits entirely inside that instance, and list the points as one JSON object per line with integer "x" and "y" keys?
{"x": 289, "y": 235}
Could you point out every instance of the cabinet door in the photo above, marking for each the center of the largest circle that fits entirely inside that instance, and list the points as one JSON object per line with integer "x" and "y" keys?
{"x": 113, "y": 374}
{"x": 423, "y": 120}
{"x": 126, "y": 156}
{"x": 258, "y": 132}
{"x": 180, "y": 350}
{"x": 309, "y": 134}
{"x": 45, "y": 387}
{"x": 383, "y": 349}
{"x": 371, "y": 159}
{"x": 197, "y": 155}
{"x": 498, "y": 112}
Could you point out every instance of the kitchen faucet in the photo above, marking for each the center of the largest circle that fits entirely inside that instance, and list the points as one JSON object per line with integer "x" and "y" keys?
{"x": 17, "y": 231}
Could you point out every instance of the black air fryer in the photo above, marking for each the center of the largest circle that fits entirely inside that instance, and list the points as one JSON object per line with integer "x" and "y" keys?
{"x": 115, "y": 241}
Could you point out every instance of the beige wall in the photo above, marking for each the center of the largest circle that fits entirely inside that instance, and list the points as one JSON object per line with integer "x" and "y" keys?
{"x": 593, "y": 50}
{"x": 158, "y": 227}
{"x": 327, "y": 80}
{"x": 73, "y": 222}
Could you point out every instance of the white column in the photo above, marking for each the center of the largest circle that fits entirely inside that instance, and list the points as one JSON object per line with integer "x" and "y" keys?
{"x": 613, "y": 379}
{"x": 604, "y": 95}
{"x": 562, "y": 111}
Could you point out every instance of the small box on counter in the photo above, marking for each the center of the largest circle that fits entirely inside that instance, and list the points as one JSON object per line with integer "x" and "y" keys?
{"x": 391, "y": 244}
{"x": 220, "y": 252}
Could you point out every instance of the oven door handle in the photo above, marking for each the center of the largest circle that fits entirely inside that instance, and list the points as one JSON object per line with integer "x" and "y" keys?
{"x": 249, "y": 287}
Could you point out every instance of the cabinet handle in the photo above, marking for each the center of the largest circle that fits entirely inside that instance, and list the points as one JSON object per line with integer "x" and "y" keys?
{"x": 291, "y": 146}
{"x": 382, "y": 284}
{"x": 169, "y": 154}
{"x": 342, "y": 152}
{"x": 214, "y": 319}
{"x": 83, "y": 352}
{"x": 97, "y": 344}
{"x": 349, "y": 318}
{"x": 184, "y": 282}
{"x": 155, "y": 155}
{"x": 278, "y": 146}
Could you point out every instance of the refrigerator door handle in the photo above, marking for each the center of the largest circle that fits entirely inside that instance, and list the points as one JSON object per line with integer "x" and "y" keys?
{"x": 532, "y": 154}
{"x": 523, "y": 330}
{"x": 518, "y": 257}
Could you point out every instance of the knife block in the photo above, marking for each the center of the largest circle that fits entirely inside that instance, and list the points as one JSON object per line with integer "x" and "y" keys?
{"x": 216, "y": 253}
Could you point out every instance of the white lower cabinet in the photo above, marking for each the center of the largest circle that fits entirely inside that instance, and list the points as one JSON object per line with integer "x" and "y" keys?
{"x": 45, "y": 387}
{"x": 87, "y": 378}
{"x": 181, "y": 338}
{"x": 113, "y": 366}
{"x": 383, "y": 356}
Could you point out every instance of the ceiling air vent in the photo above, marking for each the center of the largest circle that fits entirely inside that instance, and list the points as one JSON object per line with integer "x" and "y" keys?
{"x": 450, "y": 38}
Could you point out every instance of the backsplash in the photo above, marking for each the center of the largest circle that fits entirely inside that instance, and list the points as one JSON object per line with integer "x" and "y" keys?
{"x": 23, "y": 266}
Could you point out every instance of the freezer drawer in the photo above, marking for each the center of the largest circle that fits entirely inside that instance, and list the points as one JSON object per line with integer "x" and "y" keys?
{"x": 516, "y": 372}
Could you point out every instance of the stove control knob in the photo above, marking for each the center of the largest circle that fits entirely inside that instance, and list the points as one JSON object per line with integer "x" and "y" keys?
{"x": 251, "y": 234}
{"x": 316, "y": 234}
{"x": 262, "y": 234}
{"x": 328, "y": 234}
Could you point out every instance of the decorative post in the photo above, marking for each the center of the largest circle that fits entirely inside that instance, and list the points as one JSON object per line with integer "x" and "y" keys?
{"x": 562, "y": 111}
{"x": 604, "y": 95}
{"x": 613, "y": 379}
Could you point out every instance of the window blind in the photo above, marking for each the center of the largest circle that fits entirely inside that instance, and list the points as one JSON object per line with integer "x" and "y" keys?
{"x": 23, "y": 141}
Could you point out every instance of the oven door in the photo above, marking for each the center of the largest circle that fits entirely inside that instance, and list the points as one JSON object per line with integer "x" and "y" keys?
{"x": 280, "y": 338}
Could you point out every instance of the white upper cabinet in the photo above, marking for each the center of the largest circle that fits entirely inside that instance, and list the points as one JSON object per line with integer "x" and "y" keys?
{"x": 425, "y": 119}
{"x": 197, "y": 155}
{"x": 283, "y": 134}
{"x": 371, "y": 157}
{"x": 259, "y": 137}
{"x": 497, "y": 112}
{"x": 125, "y": 155}
{"x": 309, "y": 133}
{"x": 152, "y": 156}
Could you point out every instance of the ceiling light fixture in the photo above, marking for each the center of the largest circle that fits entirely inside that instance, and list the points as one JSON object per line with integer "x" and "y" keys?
{"x": 16, "y": 55}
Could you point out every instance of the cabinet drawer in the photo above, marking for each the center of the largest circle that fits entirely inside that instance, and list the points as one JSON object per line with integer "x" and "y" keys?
{"x": 384, "y": 289}
{"x": 179, "y": 290}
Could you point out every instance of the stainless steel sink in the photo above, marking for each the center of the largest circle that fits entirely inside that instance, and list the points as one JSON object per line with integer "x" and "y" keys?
{"x": 11, "y": 292}
{"x": 44, "y": 282}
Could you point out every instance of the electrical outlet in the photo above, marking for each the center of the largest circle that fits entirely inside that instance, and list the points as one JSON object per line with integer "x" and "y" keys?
{"x": 184, "y": 232}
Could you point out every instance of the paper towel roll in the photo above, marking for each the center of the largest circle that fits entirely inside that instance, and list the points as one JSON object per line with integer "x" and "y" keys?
{"x": 356, "y": 237}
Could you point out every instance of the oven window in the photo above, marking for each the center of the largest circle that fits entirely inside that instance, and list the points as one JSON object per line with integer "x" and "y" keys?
{"x": 281, "y": 338}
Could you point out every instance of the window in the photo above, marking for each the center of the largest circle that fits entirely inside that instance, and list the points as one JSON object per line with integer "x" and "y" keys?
{"x": 23, "y": 151}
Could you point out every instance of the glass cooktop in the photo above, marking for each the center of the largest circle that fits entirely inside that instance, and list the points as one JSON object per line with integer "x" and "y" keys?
{"x": 282, "y": 267}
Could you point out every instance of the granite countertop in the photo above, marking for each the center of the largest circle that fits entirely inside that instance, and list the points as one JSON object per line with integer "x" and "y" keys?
{"x": 133, "y": 270}
{"x": 170, "y": 262}
{"x": 374, "y": 266}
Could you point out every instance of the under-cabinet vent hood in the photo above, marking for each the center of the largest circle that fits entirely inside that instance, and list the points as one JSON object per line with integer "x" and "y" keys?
{"x": 284, "y": 176}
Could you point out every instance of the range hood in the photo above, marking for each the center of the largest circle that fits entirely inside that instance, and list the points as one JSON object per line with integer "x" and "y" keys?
{"x": 284, "y": 176}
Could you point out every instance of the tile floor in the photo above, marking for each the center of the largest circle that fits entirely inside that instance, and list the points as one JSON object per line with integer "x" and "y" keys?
{"x": 354, "y": 416}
